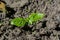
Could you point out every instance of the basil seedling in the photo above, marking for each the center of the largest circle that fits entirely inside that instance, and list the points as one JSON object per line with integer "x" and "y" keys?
{"x": 30, "y": 20}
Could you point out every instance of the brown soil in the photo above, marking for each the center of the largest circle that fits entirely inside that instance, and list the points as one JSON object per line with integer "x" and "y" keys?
{"x": 47, "y": 29}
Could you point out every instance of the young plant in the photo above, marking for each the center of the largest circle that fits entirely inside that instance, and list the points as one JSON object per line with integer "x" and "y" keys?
{"x": 34, "y": 17}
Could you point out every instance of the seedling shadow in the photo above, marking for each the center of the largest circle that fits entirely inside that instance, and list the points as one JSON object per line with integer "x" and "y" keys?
{"x": 10, "y": 13}
{"x": 27, "y": 28}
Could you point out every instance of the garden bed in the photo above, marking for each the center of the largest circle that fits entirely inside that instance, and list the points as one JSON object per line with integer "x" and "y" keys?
{"x": 46, "y": 29}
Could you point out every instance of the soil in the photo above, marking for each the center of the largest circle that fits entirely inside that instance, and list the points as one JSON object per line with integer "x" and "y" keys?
{"x": 46, "y": 29}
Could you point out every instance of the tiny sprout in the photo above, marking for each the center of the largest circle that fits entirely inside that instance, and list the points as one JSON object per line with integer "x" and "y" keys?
{"x": 30, "y": 20}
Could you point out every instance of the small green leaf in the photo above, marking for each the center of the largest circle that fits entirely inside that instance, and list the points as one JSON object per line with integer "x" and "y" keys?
{"x": 18, "y": 22}
{"x": 35, "y": 17}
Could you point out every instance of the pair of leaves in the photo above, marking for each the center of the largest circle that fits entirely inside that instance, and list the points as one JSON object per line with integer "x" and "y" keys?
{"x": 30, "y": 20}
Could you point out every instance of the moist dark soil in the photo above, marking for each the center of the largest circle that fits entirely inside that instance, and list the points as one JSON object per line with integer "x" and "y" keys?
{"x": 46, "y": 29}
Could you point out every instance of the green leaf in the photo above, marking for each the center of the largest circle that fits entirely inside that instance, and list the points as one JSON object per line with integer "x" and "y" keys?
{"x": 18, "y": 22}
{"x": 35, "y": 17}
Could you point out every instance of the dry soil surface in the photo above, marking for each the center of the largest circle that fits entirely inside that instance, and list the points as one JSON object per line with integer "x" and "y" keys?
{"x": 46, "y": 29}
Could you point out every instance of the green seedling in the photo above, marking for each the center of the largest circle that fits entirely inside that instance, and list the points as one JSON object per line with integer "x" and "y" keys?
{"x": 34, "y": 17}
{"x": 18, "y": 22}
